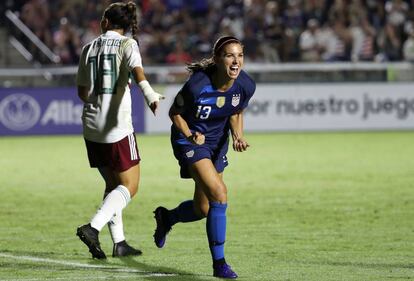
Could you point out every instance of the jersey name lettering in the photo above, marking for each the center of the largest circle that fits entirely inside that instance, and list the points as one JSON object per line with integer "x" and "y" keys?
{"x": 108, "y": 42}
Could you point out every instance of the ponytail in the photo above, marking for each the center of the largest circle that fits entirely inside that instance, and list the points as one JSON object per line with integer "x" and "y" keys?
{"x": 132, "y": 15}
{"x": 124, "y": 16}
{"x": 206, "y": 65}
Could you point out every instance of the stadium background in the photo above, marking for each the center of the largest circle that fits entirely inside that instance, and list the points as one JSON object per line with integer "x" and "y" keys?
{"x": 305, "y": 205}
{"x": 315, "y": 43}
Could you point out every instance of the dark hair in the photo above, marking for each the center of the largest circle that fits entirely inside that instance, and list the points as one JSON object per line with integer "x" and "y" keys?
{"x": 208, "y": 64}
{"x": 124, "y": 16}
{"x": 223, "y": 41}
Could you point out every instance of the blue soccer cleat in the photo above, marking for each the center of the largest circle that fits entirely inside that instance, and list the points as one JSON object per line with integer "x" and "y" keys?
{"x": 163, "y": 226}
{"x": 224, "y": 271}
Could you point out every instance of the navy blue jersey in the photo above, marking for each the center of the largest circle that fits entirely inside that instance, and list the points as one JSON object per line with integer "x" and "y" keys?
{"x": 207, "y": 110}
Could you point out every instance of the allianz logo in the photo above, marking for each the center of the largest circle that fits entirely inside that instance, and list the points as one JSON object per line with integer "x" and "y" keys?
{"x": 20, "y": 112}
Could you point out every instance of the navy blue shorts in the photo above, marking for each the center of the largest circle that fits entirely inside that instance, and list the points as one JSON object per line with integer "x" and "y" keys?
{"x": 189, "y": 154}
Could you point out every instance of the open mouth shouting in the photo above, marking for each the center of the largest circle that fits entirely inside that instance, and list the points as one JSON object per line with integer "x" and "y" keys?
{"x": 234, "y": 70}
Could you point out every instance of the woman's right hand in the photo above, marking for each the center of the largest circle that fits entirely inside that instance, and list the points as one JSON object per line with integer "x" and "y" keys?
{"x": 197, "y": 138}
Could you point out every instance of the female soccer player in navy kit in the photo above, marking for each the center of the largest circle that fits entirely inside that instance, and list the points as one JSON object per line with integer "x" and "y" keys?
{"x": 103, "y": 85}
{"x": 208, "y": 106}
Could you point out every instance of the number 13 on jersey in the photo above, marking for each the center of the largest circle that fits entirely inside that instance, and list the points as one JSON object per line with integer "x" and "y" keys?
{"x": 203, "y": 111}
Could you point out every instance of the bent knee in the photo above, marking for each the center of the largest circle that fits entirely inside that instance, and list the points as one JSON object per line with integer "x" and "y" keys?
{"x": 219, "y": 194}
{"x": 132, "y": 188}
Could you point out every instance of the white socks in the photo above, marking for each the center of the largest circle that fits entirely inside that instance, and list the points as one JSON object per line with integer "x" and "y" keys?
{"x": 116, "y": 228}
{"x": 112, "y": 205}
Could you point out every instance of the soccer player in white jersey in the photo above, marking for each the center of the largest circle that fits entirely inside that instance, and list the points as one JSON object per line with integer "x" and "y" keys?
{"x": 103, "y": 85}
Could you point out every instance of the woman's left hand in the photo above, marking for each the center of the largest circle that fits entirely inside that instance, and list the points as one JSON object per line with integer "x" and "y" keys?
{"x": 240, "y": 145}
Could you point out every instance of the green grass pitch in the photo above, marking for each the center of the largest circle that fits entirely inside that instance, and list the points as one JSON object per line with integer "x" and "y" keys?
{"x": 302, "y": 206}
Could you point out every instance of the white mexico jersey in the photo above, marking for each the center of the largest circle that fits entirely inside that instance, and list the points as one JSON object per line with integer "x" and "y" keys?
{"x": 104, "y": 68}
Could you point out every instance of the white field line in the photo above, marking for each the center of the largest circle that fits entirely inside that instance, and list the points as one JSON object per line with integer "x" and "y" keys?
{"x": 82, "y": 265}
{"x": 78, "y": 278}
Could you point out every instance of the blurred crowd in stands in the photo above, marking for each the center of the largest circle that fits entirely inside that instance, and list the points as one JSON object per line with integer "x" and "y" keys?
{"x": 180, "y": 31}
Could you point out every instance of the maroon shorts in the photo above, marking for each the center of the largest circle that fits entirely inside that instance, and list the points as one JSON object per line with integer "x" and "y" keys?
{"x": 119, "y": 156}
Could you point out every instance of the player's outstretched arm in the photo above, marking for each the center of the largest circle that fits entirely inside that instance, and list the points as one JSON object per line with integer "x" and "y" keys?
{"x": 236, "y": 128}
{"x": 152, "y": 98}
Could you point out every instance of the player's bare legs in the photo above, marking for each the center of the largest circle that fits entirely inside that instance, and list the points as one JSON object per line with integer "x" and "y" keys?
{"x": 200, "y": 201}
{"x": 120, "y": 188}
{"x": 206, "y": 177}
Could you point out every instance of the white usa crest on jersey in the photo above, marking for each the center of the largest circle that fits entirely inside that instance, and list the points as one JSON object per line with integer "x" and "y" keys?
{"x": 189, "y": 154}
{"x": 235, "y": 100}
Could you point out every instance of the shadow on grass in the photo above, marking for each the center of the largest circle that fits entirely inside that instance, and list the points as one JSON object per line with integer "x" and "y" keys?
{"x": 48, "y": 261}
{"x": 162, "y": 270}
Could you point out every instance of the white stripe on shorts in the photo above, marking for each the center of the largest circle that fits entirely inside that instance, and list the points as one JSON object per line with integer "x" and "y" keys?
{"x": 132, "y": 147}
{"x": 135, "y": 148}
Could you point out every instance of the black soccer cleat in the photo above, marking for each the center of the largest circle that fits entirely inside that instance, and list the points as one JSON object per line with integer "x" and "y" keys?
{"x": 88, "y": 235}
{"x": 122, "y": 249}
{"x": 163, "y": 226}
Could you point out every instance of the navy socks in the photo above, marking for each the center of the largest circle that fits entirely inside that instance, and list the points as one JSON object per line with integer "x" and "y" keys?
{"x": 183, "y": 213}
